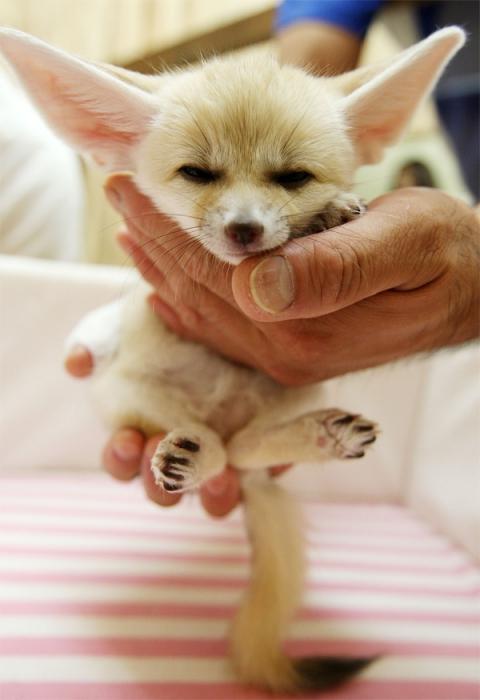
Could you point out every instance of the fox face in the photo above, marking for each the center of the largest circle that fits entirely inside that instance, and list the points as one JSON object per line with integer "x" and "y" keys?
{"x": 243, "y": 153}
{"x": 243, "y": 158}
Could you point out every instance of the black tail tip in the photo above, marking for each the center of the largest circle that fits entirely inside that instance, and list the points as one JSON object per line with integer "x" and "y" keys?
{"x": 327, "y": 673}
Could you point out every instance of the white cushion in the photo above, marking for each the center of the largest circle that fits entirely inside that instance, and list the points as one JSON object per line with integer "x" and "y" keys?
{"x": 104, "y": 596}
{"x": 41, "y": 183}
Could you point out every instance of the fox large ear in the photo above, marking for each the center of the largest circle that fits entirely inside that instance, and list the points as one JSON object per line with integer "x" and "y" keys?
{"x": 90, "y": 108}
{"x": 378, "y": 112}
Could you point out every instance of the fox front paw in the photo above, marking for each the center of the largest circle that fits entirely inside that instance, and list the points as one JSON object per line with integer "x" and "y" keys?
{"x": 344, "y": 208}
{"x": 352, "y": 434}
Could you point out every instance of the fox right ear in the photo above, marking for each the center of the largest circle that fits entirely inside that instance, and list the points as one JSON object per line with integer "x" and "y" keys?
{"x": 90, "y": 108}
{"x": 378, "y": 111}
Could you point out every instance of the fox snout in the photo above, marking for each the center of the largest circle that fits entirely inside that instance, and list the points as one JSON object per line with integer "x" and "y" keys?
{"x": 237, "y": 228}
{"x": 242, "y": 233}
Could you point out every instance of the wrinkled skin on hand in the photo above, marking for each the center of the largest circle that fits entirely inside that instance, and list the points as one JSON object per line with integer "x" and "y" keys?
{"x": 401, "y": 279}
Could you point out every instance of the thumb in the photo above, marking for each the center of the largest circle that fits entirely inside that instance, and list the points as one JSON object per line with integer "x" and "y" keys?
{"x": 328, "y": 271}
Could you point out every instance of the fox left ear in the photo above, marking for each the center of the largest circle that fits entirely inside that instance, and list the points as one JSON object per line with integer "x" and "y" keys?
{"x": 378, "y": 112}
{"x": 89, "y": 107}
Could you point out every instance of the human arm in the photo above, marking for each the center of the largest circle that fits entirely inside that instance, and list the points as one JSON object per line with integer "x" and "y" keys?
{"x": 325, "y": 35}
{"x": 324, "y": 48}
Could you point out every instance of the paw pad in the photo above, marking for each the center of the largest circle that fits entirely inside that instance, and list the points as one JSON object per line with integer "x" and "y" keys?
{"x": 352, "y": 434}
{"x": 186, "y": 444}
{"x": 174, "y": 464}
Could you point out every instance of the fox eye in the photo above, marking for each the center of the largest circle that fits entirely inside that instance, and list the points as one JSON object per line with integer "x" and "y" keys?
{"x": 200, "y": 175}
{"x": 292, "y": 178}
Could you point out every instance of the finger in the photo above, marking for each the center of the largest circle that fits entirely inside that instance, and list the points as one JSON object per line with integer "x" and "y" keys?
{"x": 141, "y": 259}
{"x": 155, "y": 493}
{"x": 220, "y": 495}
{"x": 159, "y": 267}
{"x": 164, "y": 273}
{"x": 123, "y": 453}
{"x": 135, "y": 207}
{"x": 79, "y": 362}
{"x": 214, "y": 324}
{"x": 146, "y": 224}
{"x": 190, "y": 310}
{"x": 316, "y": 275}
{"x": 280, "y": 469}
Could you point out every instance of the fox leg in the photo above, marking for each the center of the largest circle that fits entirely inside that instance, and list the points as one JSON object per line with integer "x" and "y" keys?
{"x": 316, "y": 436}
{"x": 99, "y": 332}
{"x": 186, "y": 457}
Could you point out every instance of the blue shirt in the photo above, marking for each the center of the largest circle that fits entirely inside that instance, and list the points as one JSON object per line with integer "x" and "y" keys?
{"x": 352, "y": 15}
{"x": 458, "y": 92}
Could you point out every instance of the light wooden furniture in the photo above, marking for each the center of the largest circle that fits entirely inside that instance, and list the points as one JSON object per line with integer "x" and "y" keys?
{"x": 122, "y": 31}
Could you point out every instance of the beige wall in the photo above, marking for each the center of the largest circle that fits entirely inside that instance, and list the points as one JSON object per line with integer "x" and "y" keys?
{"x": 120, "y": 31}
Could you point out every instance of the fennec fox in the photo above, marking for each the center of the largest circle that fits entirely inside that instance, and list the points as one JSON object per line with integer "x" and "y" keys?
{"x": 244, "y": 154}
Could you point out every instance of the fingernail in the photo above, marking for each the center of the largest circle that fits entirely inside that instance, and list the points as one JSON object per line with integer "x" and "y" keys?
{"x": 150, "y": 449}
{"x": 125, "y": 448}
{"x": 272, "y": 284}
{"x": 79, "y": 351}
{"x": 114, "y": 196}
{"x": 125, "y": 242}
{"x": 79, "y": 361}
{"x": 218, "y": 485}
{"x": 113, "y": 189}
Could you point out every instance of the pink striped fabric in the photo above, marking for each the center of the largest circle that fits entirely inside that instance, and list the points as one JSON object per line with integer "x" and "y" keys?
{"x": 104, "y": 596}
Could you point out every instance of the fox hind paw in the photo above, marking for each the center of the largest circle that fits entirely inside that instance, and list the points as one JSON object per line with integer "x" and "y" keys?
{"x": 174, "y": 464}
{"x": 352, "y": 433}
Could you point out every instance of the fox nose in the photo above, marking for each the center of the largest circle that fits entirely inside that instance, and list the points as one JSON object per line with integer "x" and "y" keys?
{"x": 244, "y": 232}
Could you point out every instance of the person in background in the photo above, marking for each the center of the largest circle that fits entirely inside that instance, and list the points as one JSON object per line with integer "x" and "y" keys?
{"x": 328, "y": 35}
{"x": 288, "y": 315}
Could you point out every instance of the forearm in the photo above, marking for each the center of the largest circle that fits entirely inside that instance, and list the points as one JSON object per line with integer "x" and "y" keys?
{"x": 476, "y": 209}
{"x": 322, "y": 47}
{"x": 467, "y": 326}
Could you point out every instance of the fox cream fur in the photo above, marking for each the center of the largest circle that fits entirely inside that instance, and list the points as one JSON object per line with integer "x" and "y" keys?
{"x": 244, "y": 154}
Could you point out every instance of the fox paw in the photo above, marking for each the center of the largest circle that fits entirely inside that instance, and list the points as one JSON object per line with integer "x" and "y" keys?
{"x": 351, "y": 433}
{"x": 175, "y": 464}
{"x": 344, "y": 208}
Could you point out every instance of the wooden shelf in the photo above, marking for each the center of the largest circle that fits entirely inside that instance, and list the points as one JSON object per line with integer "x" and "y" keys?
{"x": 245, "y": 32}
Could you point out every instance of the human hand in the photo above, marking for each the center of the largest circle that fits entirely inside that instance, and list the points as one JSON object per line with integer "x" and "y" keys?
{"x": 401, "y": 279}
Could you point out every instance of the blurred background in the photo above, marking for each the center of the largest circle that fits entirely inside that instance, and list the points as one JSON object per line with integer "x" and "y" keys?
{"x": 148, "y": 35}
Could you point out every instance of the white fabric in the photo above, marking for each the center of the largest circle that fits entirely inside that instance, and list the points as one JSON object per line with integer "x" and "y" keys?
{"x": 106, "y": 596}
{"x": 427, "y": 454}
{"x": 46, "y": 420}
{"x": 445, "y": 464}
{"x": 41, "y": 184}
